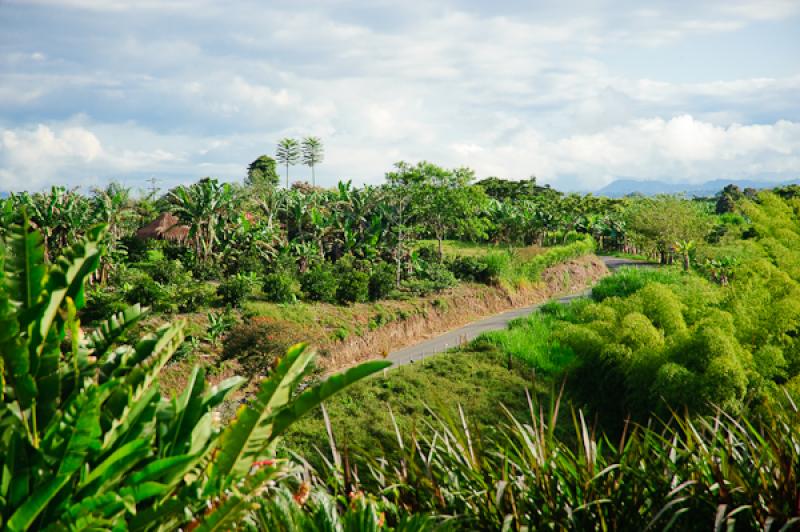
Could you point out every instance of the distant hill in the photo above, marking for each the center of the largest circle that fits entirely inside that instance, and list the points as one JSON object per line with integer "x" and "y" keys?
{"x": 623, "y": 187}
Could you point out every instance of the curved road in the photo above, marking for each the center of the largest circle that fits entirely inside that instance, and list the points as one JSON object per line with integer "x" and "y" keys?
{"x": 456, "y": 337}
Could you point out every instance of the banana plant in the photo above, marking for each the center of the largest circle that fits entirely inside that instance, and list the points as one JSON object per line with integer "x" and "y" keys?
{"x": 88, "y": 439}
{"x": 684, "y": 248}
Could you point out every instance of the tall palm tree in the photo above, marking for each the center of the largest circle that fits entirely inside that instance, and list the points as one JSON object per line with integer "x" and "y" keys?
{"x": 313, "y": 154}
{"x": 288, "y": 153}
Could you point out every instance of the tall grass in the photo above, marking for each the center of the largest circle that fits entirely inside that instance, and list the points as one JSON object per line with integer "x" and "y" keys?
{"x": 627, "y": 281}
{"x": 529, "y": 339}
{"x": 513, "y": 270}
{"x": 704, "y": 473}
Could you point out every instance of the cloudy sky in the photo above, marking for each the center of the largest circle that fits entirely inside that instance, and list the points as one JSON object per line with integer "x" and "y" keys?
{"x": 576, "y": 92}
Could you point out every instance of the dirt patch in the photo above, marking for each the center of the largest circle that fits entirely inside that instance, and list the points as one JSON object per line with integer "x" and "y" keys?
{"x": 457, "y": 308}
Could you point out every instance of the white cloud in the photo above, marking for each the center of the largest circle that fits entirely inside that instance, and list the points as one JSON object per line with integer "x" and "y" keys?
{"x": 560, "y": 91}
{"x": 32, "y": 158}
{"x": 679, "y": 149}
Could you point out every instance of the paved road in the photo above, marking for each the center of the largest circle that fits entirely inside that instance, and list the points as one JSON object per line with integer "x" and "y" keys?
{"x": 456, "y": 337}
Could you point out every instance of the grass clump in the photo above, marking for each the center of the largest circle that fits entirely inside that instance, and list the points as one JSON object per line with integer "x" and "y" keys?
{"x": 530, "y": 340}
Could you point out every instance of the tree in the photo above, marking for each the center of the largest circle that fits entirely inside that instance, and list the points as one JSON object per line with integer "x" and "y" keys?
{"x": 444, "y": 202}
{"x": 727, "y": 198}
{"x": 202, "y": 206}
{"x": 661, "y": 221}
{"x": 262, "y": 173}
{"x": 684, "y": 248}
{"x": 288, "y": 153}
{"x": 313, "y": 154}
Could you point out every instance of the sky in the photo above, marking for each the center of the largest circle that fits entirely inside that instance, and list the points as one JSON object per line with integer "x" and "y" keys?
{"x": 577, "y": 93}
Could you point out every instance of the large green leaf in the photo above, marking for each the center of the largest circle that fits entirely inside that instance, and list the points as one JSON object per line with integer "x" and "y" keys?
{"x": 108, "y": 333}
{"x": 67, "y": 278}
{"x": 24, "y": 275}
{"x": 25, "y": 266}
{"x": 248, "y": 436}
{"x": 238, "y": 500}
{"x": 81, "y": 433}
{"x": 313, "y": 397}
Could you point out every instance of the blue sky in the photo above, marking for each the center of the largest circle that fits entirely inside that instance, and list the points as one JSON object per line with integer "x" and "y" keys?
{"x": 576, "y": 93}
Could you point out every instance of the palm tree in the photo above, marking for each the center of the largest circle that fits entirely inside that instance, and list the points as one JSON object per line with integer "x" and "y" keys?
{"x": 313, "y": 154}
{"x": 288, "y": 153}
{"x": 202, "y": 206}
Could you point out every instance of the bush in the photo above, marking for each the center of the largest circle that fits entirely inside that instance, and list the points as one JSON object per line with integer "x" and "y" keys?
{"x": 236, "y": 289}
{"x": 497, "y": 265}
{"x": 353, "y": 286}
{"x": 319, "y": 284}
{"x": 382, "y": 281}
{"x": 469, "y": 268}
{"x": 438, "y": 275}
{"x": 628, "y": 281}
{"x": 163, "y": 271}
{"x": 140, "y": 288}
{"x": 189, "y": 295}
{"x": 257, "y": 343}
{"x": 102, "y": 304}
{"x": 281, "y": 288}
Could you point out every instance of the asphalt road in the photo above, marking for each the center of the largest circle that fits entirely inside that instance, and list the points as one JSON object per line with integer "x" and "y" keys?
{"x": 456, "y": 337}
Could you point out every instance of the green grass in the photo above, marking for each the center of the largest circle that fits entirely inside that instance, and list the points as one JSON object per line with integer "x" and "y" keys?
{"x": 628, "y": 280}
{"x": 477, "y": 381}
{"x": 461, "y": 248}
{"x": 528, "y": 340}
{"x": 621, "y": 255}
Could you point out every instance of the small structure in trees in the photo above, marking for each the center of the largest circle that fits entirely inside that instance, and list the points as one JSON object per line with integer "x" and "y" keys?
{"x": 165, "y": 227}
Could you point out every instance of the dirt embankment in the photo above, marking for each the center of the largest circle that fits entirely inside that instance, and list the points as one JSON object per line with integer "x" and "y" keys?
{"x": 458, "y": 308}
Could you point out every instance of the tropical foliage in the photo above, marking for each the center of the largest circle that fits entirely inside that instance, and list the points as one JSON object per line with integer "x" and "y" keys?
{"x": 88, "y": 440}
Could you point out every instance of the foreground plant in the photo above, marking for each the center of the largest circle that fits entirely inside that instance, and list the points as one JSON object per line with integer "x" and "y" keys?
{"x": 701, "y": 473}
{"x": 89, "y": 442}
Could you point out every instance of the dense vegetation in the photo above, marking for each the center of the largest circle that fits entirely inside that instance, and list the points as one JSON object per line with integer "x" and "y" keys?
{"x": 665, "y": 400}
{"x": 686, "y": 380}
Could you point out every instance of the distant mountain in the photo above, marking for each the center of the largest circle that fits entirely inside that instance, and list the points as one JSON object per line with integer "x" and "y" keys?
{"x": 623, "y": 187}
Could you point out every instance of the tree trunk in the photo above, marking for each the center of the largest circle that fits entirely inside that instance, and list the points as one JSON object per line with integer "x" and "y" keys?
{"x": 441, "y": 253}
{"x": 686, "y": 262}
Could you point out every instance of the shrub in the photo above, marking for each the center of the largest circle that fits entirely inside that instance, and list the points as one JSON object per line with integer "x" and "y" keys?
{"x": 281, "y": 288}
{"x": 256, "y": 343}
{"x": 189, "y": 295}
{"x": 428, "y": 252}
{"x": 234, "y": 290}
{"x": 628, "y": 281}
{"x": 353, "y": 286}
{"x": 102, "y": 304}
{"x": 163, "y": 271}
{"x": 140, "y": 288}
{"x": 469, "y": 268}
{"x": 497, "y": 266}
{"x": 381, "y": 281}
{"x": 319, "y": 284}
{"x": 438, "y": 275}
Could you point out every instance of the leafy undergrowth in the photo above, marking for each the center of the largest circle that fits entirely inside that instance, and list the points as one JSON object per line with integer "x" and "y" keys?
{"x": 477, "y": 381}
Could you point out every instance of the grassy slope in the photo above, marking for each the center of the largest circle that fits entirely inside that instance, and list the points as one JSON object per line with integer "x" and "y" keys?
{"x": 478, "y": 381}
